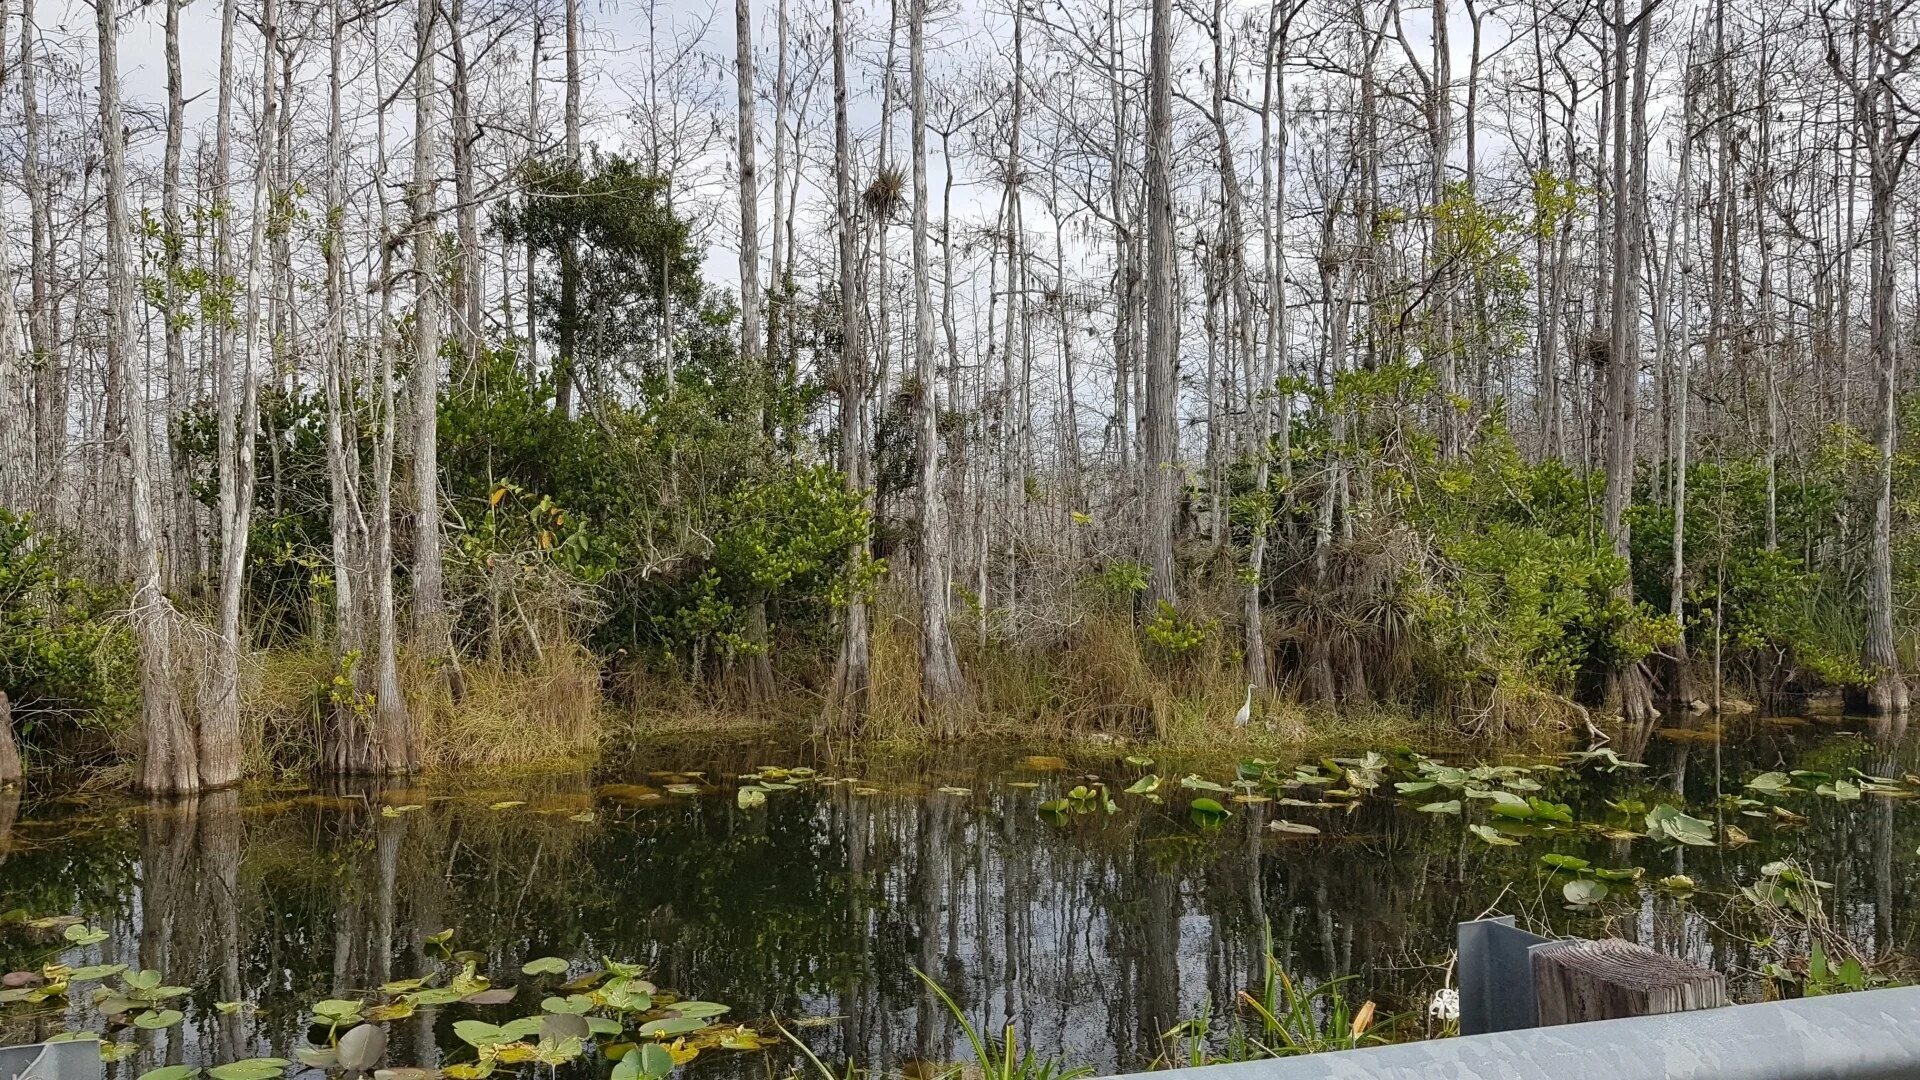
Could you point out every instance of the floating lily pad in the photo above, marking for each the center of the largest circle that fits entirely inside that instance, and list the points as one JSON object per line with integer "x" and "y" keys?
{"x": 668, "y": 1027}
{"x": 261, "y": 1068}
{"x": 1669, "y": 823}
{"x": 1582, "y": 892}
{"x": 1488, "y": 833}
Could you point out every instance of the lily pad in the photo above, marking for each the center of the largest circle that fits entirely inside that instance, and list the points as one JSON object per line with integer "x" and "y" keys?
{"x": 157, "y": 1019}
{"x": 1284, "y": 826}
{"x": 1666, "y": 822}
{"x": 668, "y": 1027}
{"x": 545, "y": 965}
{"x": 261, "y": 1068}
{"x": 1582, "y": 892}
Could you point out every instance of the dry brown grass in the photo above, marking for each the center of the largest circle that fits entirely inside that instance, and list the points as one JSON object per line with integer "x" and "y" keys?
{"x": 542, "y": 712}
{"x": 537, "y": 713}
{"x": 1098, "y": 679}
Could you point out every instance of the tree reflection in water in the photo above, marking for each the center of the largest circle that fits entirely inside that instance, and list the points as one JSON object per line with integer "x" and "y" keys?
{"x": 1094, "y": 936}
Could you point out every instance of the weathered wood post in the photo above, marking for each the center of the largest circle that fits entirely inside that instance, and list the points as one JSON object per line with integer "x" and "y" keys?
{"x": 10, "y": 771}
{"x": 1577, "y": 980}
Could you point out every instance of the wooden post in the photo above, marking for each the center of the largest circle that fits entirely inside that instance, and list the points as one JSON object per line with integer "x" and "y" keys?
{"x": 1576, "y": 981}
{"x": 10, "y": 771}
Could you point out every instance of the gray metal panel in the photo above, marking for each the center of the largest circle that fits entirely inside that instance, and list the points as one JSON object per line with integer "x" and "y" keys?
{"x": 1872, "y": 1035}
{"x": 75, "y": 1060}
{"x": 1495, "y": 972}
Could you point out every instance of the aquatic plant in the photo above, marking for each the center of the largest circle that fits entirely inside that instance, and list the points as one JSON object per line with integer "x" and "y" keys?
{"x": 1003, "y": 1059}
{"x": 611, "y": 1009}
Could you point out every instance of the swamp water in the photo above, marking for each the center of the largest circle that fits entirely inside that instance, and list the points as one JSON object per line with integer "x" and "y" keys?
{"x": 814, "y": 897}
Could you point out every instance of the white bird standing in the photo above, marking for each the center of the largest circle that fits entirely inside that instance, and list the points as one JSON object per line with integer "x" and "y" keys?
{"x": 1246, "y": 709}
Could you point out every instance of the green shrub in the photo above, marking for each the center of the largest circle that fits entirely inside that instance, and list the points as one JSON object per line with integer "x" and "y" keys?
{"x": 65, "y": 659}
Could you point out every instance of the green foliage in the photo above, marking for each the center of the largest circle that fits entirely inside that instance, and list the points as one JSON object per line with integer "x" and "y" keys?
{"x": 1123, "y": 578}
{"x": 1522, "y": 593}
{"x": 618, "y": 251}
{"x": 63, "y": 654}
{"x": 1172, "y": 632}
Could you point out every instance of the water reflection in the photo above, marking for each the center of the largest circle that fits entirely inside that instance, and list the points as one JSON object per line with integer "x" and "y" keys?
{"x": 1095, "y": 937}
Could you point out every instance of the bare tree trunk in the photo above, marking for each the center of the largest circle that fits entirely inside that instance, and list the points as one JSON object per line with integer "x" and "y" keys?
{"x": 168, "y": 764}
{"x": 1680, "y": 680}
{"x": 348, "y": 522}
{"x": 564, "y": 378}
{"x": 847, "y": 708}
{"x": 219, "y": 731}
{"x": 430, "y": 618}
{"x": 759, "y": 661}
{"x": 184, "y": 536}
{"x": 375, "y": 735}
{"x": 1273, "y": 199}
{"x": 1887, "y": 149}
{"x": 1160, "y": 437}
{"x": 18, "y": 471}
{"x": 941, "y": 684}
{"x": 533, "y": 142}
{"x": 466, "y": 202}
{"x": 778, "y": 267}
{"x": 49, "y": 378}
{"x": 1629, "y": 686}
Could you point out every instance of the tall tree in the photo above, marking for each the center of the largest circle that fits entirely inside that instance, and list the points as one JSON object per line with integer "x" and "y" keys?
{"x": 759, "y": 663}
{"x": 430, "y": 618}
{"x": 1876, "y": 79}
{"x": 1160, "y": 418}
{"x": 940, "y": 682}
{"x": 847, "y": 708}
{"x": 168, "y": 762}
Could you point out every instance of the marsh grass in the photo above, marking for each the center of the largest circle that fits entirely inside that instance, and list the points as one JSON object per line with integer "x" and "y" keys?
{"x": 1282, "y": 1019}
{"x": 542, "y": 711}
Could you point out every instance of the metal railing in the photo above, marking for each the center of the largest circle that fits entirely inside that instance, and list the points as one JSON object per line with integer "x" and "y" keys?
{"x": 1859, "y": 1036}
{"x": 1870, "y": 1035}
{"x": 76, "y": 1060}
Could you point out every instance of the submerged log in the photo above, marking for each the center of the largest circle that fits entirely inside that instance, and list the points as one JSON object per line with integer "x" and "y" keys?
{"x": 1577, "y": 981}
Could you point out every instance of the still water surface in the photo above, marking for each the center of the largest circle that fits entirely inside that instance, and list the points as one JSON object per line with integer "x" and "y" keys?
{"x": 1094, "y": 936}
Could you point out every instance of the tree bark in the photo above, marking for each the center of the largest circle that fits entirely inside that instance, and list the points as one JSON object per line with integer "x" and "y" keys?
{"x": 941, "y": 684}
{"x": 1160, "y": 439}
{"x": 1629, "y": 688}
{"x": 219, "y": 728}
{"x": 759, "y": 661}
{"x": 847, "y": 706}
{"x": 49, "y": 370}
{"x": 168, "y": 763}
{"x": 431, "y": 629}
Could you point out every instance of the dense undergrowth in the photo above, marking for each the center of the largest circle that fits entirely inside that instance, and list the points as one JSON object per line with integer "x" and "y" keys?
{"x": 589, "y": 614}
{"x": 685, "y": 554}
